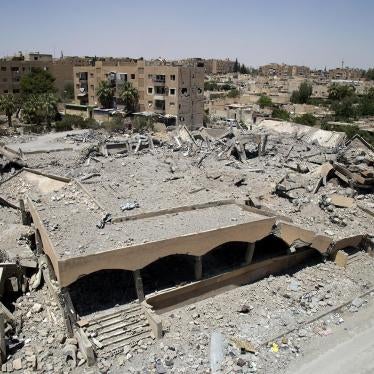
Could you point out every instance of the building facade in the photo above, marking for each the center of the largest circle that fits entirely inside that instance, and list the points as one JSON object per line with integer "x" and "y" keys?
{"x": 14, "y": 68}
{"x": 215, "y": 66}
{"x": 164, "y": 88}
{"x": 284, "y": 70}
{"x": 345, "y": 73}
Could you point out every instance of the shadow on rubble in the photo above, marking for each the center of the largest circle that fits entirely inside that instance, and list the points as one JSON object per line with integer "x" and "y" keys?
{"x": 102, "y": 290}
{"x": 10, "y": 167}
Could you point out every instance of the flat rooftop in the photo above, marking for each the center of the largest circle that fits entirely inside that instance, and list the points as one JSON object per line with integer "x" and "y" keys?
{"x": 51, "y": 142}
{"x": 67, "y": 216}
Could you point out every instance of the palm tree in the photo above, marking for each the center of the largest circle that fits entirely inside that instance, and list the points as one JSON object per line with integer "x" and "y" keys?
{"x": 40, "y": 108}
{"x": 129, "y": 97}
{"x": 105, "y": 94}
{"x": 8, "y": 105}
{"x": 48, "y": 104}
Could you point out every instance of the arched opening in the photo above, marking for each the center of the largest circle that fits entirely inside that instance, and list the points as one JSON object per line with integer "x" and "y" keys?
{"x": 268, "y": 247}
{"x": 225, "y": 257}
{"x": 169, "y": 271}
{"x": 102, "y": 290}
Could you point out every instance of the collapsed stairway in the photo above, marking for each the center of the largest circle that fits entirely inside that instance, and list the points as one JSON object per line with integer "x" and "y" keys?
{"x": 119, "y": 331}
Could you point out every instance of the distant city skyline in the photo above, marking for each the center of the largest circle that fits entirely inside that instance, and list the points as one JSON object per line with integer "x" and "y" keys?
{"x": 315, "y": 34}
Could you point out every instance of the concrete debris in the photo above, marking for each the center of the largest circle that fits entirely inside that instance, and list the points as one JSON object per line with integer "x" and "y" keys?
{"x": 341, "y": 258}
{"x": 106, "y": 219}
{"x": 130, "y": 205}
{"x": 70, "y": 352}
{"x": 243, "y": 345}
{"x": 341, "y": 201}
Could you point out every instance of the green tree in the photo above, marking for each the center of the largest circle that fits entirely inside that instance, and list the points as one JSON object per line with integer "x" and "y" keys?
{"x": 295, "y": 97}
{"x": 105, "y": 94}
{"x": 129, "y": 96}
{"x": 9, "y": 106}
{"x": 210, "y": 86}
{"x": 370, "y": 74}
{"x": 305, "y": 91}
{"x": 38, "y": 109}
{"x": 236, "y": 66}
{"x": 68, "y": 93}
{"x": 233, "y": 93}
{"x": 280, "y": 114}
{"x": 37, "y": 82}
{"x": 306, "y": 119}
{"x": 48, "y": 104}
{"x": 302, "y": 95}
{"x": 366, "y": 103}
{"x": 264, "y": 101}
{"x": 345, "y": 109}
{"x": 340, "y": 91}
{"x": 244, "y": 69}
{"x": 227, "y": 87}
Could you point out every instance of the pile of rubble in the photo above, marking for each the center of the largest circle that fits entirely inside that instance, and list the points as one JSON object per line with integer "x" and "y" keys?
{"x": 326, "y": 190}
{"x": 260, "y": 327}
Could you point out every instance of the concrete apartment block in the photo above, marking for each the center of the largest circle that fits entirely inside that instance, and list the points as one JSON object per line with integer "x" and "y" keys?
{"x": 164, "y": 88}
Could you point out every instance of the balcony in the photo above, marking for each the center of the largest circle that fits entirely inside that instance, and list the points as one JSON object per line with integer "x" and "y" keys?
{"x": 160, "y": 91}
{"x": 159, "y": 79}
{"x": 83, "y": 87}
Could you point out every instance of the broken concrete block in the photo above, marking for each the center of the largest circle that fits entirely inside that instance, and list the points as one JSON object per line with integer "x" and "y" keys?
{"x": 82, "y": 323}
{"x": 341, "y": 201}
{"x": 70, "y": 352}
{"x": 17, "y": 364}
{"x": 36, "y": 308}
{"x": 357, "y": 302}
{"x": 341, "y": 258}
{"x": 243, "y": 345}
{"x": 85, "y": 347}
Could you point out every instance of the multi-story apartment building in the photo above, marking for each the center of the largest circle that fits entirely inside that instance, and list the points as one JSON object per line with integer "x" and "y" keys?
{"x": 211, "y": 66}
{"x": 345, "y": 73}
{"x": 284, "y": 70}
{"x": 12, "y": 69}
{"x": 164, "y": 88}
{"x": 216, "y": 66}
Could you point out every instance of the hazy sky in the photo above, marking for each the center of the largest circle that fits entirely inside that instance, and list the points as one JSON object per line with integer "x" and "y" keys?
{"x": 316, "y": 33}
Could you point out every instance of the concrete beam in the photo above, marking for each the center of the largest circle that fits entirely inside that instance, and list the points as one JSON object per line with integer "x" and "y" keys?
{"x": 162, "y": 301}
{"x": 26, "y": 220}
{"x": 154, "y": 320}
{"x": 38, "y": 243}
{"x": 85, "y": 347}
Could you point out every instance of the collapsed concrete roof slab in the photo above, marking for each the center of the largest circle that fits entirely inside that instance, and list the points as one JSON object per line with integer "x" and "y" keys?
{"x": 65, "y": 215}
{"x": 52, "y": 142}
{"x": 194, "y": 232}
{"x": 32, "y": 182}
{"x": 328, "y": 139}
{"x": 10, "y": 242}
{"x": 291, "y": 233}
